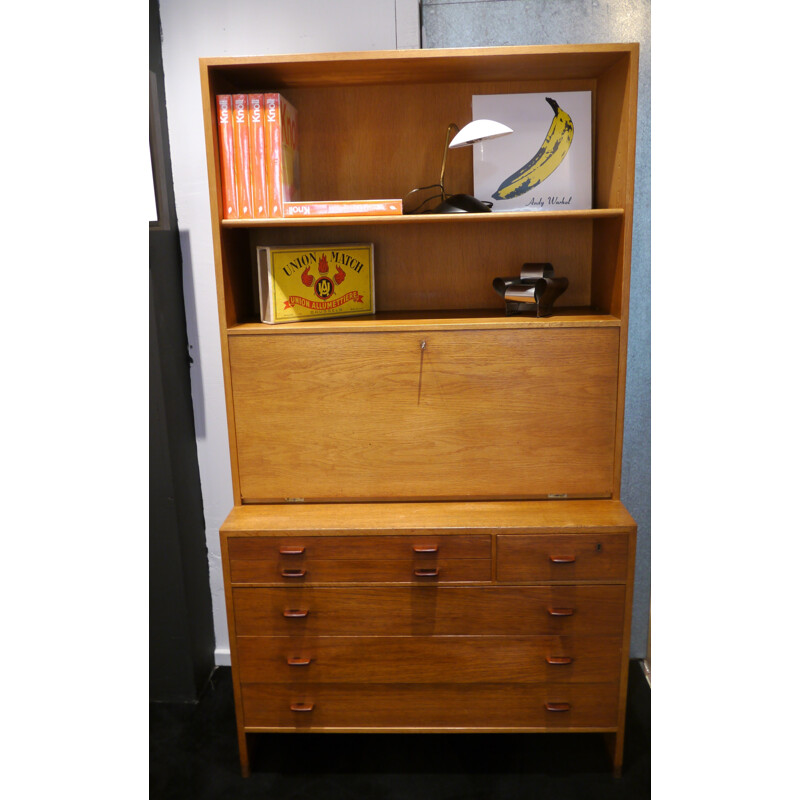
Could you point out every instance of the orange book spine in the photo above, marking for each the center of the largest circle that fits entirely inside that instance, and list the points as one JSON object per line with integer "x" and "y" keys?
{"x": 258, "y": 155}
{"x": 241, "y": 150}
{"x": 230, "y": 205}
{"x": 272, "y": 105}
{"x": 344, "y": 208}
{"x": 281, "y": 120}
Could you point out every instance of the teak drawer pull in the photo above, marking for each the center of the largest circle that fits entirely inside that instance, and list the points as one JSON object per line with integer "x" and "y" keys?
{"x": 558, "y": 660}
{"x": 292, "y": 573}
{"x": 426, "y": 548}
{"x": 560, "y": 612}
{"x": 295, "y": 612}
{"x": 291, "y": 550}
{"x": 301, "y": 706}
{"x": 427, "y": 573}
{"x": 562, "y": 559}
{"x": 298, "y": 661}
{"x": 557, "y": 706}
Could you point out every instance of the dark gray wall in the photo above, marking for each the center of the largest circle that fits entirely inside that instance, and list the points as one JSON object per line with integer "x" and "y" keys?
{"x": 181, "y": 625}
{"x": 488, "y": 23}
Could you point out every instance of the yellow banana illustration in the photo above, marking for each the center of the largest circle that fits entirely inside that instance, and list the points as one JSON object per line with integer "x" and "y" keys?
{"x": 552, "y": 152}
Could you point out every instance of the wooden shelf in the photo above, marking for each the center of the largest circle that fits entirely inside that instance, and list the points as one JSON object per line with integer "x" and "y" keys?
{"x": 514, "y": 516}
{"x": 471, "y": 319}
{"x": 416, "y": 219}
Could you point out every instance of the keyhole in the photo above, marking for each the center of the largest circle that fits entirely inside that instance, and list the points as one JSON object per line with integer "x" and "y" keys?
{"x": 422, "y": 346}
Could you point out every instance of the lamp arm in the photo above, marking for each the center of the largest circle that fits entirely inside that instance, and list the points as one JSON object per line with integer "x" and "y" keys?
{"x": 454, "y": 128}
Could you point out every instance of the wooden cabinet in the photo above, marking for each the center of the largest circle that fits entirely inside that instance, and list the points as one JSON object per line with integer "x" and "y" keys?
{"x": 408, "y": 616}
{"x": 427, "y": 533}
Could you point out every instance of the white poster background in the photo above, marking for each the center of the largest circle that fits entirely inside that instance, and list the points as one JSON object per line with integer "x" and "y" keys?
{"x": 569, "y": 187}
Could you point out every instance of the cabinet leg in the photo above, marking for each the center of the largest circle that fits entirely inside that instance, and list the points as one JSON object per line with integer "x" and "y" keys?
{"x": 244, "y": 754}
{"x": 614, "y": 744}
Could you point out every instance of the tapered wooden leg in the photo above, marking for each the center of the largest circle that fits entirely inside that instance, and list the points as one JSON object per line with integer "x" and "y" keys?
{"x": 244, "y": 754}
{"x": 614, "y": 743}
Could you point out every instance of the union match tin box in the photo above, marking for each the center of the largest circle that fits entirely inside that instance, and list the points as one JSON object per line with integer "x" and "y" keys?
{"x": 328, "y": 280}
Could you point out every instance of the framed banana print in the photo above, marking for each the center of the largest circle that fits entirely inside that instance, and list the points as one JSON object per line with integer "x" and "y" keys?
{"x": 546, "y": 163}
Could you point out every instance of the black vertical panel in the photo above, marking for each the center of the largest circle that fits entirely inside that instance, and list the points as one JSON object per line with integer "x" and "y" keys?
{"x": 181, "y": 623}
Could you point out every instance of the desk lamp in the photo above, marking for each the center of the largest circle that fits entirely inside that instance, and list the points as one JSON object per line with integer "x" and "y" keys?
{"x": 475, "y": 132}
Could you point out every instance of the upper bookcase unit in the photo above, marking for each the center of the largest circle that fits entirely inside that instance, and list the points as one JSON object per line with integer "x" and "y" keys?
{"x": 373, "y": 125}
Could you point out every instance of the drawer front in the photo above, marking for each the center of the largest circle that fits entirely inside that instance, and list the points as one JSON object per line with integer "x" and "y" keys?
{"x": 391, "y": 559}
{"x": 418, "y": 571}
{"x": 436, "y": 706}
{"x": 278, "y": 549}
{"x": 438, "y": 659}
{"x": 562, "y": 557}
{"x": 427, "y": 610}
{"x": 400, "y": 422}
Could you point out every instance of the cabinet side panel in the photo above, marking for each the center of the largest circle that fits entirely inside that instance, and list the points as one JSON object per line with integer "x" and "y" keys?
{"x": 612, "y": 131}
{"x": 608, "y": 266}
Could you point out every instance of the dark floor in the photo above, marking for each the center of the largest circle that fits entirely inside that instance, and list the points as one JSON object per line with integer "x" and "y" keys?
{"x": 193, "y": 754}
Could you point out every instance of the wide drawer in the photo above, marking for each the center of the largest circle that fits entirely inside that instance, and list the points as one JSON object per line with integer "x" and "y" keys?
{"x": 418, "y": 570}
{"x": 428, "y": 659}
{"x": 429, "y": 610}
{"x": 562, "y": 557}
{"x": 437, "y": 415}
{"x": 277, "y": 549}
{"x": 434, "y": 706}
{"x": 390, "y": 559}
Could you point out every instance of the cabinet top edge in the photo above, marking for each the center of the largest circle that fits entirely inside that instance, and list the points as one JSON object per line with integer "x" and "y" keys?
{"x": 432, "y": 54}
{"x": 407, "y": 66}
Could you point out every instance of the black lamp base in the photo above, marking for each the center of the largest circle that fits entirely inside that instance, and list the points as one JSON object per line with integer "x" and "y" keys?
{"x": 461, "y": 204}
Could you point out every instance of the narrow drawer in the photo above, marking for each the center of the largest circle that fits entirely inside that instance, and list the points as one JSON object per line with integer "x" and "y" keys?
{"x": 429, "y": 659}
{"x": 562, "y": 557}
{"x": 393, "y": 559}
{"x": 410, "y": 570}
{"x": 428, "y": 610}
{"x": 433, "y": 706}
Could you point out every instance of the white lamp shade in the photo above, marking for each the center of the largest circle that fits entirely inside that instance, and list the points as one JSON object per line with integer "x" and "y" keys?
{"x": 479, "y": 130}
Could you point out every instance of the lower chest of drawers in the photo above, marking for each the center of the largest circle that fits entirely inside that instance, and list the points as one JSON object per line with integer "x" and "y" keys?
{"x": 429, "y": 657}
{"x": 428, "y": 630}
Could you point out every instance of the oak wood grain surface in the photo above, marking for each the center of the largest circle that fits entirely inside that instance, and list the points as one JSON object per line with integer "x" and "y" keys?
{"x": 430, "y": 610}
{"x": 436, "y": 319}
{"x": 358, "y": 547}
{"x": 432, "y": 659}
{"x": 492, "y": 414}
{"x": 443, "y": 519}
{"x": 422, "y": 219}
{"x": 562, "y": 557}
{"x": 430, "y": 705}
{"x": 416, "y": 570}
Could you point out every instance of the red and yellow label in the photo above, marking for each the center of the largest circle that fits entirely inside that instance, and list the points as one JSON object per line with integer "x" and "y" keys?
{"x": 316, "y": 283}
